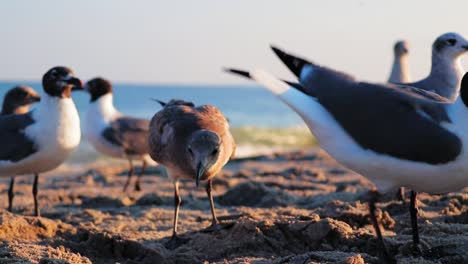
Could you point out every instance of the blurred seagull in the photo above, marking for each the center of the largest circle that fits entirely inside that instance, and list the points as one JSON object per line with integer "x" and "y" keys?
{"x": 446, "y": 68}
{"x": 113, "y": 134}
{"x": 41, "y": 140}
{"x": 393, "y": 135}
{"x": 400, "y": 69}
{"x": 17, "y": 101}
{"x": 193, "y": 143}
{"x": 400, "y": 74}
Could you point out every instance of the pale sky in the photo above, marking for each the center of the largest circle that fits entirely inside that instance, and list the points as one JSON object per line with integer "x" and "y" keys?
{"x": 175, "y": 41}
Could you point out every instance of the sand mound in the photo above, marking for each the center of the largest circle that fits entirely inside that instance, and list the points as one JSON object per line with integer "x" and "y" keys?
{"x": 255, "y": 194}
{"x": 14, "y": 227}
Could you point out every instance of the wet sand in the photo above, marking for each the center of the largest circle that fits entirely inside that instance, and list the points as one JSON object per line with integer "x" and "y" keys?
{"x": 296, "y": 207}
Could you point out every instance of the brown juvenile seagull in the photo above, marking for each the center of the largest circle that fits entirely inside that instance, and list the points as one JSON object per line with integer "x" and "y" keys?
{"x": 17, "y": 101}
{"x": 192, "y": 143}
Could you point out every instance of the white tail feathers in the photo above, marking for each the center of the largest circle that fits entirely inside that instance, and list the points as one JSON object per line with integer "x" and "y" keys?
{"x": 273, "y": 84}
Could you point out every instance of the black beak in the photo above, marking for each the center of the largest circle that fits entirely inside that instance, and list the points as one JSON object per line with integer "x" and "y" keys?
{"x": 77, "y": 84}
{"x": 200, "y": 172}
{"x": 160, "y": 102}
{"x": 34, "y": 98}
{"x": 465, "y": 47}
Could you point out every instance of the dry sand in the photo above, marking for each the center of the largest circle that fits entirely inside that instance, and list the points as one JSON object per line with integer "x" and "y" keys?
{"x": 284, "y": 208}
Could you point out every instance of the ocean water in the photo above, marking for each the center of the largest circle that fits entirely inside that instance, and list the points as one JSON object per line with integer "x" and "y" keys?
{"x": 259, "y": 121}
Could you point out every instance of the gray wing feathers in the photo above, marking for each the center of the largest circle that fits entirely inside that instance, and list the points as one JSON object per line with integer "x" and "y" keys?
{"x": 387, "y": 118}
{"x": 129, "y": 133}
{"x": 15, "y": 145}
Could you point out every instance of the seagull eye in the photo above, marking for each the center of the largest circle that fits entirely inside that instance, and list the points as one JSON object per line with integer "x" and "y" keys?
{"x": 215, "y": 151}
{"x": 452, "y": 41}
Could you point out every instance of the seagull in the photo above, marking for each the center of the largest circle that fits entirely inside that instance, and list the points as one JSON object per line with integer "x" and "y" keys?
{"x": 394, "y": 135}
{"x": 114, "y": 134}
{"x": 41, "y": 140}
{"x": 446, "y": 69}
{"x": 400, "y": 72}
{"x": 17, "y": 101}
{"x": 192, "y": 143}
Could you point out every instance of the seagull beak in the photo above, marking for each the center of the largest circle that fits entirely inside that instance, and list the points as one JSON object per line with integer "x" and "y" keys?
{"x": 77, "y": 84}
{"x": 34, "y": 98}
{"x": 160, "y": 102}
{"x": 200, "y": 172}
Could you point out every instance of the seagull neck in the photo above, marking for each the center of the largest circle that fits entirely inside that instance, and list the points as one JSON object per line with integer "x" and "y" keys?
{"x": 104, "y": 106}
{"x": 400, "y": 70}
{"x": 54, "y": 108}
{"x": 446, "y": 74}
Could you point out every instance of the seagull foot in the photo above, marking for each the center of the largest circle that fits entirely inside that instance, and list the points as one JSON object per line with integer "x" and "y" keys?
{"x": 401, "y": 195}
{"x": 137, "y": 187}
{"x": 176, "y": 242}
{"x": 218, "y": 226}
{"x": 415, "y": 250}
{"x": 382, "y": 251}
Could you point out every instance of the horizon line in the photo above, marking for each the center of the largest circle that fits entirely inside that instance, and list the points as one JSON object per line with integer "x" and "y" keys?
{"x": 197, "y": 84}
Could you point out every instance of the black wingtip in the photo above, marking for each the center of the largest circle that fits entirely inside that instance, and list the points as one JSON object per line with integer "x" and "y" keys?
{"x": 242, "y": 73}
{"x": 160, "y": 102}
{"x": 295, "y": 64}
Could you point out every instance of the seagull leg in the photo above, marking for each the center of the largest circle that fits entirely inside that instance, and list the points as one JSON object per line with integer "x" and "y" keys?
{"x": 177, "y": 202}
{"x": 175, "y": 241}
{"x": 215, "y": 224}
{"x": 130, "y": 174}
{"x": 11, "y": 194}
{"x": 401, "y": 194}
{"x": 138, "y": 181}
{"x": 34, "y": 192}
{"x": 373, "y": 199}
{"x": 414, "y": 219}
{"x": 209, "y": 186}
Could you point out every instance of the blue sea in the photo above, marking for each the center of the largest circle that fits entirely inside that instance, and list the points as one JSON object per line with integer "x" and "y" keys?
{"x": 259, "y": 121}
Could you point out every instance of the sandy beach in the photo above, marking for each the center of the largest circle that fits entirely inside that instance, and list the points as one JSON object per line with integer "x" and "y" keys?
{"x": 292, "y": 207}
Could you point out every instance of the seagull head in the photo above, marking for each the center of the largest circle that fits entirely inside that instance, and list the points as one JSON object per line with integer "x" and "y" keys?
{"x": 59, "y": 82}
{"x": 401, "y": 48}
{"x": 19, "y": 98}
{"x": 450, "y": 45}
{"x": 98, "y": 87}
{"x": 203, "y": 150}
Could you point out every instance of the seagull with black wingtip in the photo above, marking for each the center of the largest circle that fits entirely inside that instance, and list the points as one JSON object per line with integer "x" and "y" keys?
{"x": 193, "y": 143}
{"x": 17, "y": 101}
{"x": 114, "y": 134}
{"x": 42, "y": 139}
{"x": 393, "y": 135}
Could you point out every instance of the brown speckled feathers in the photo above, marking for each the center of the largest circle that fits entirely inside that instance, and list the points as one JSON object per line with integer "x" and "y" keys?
{"x": 171, "y": 127}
